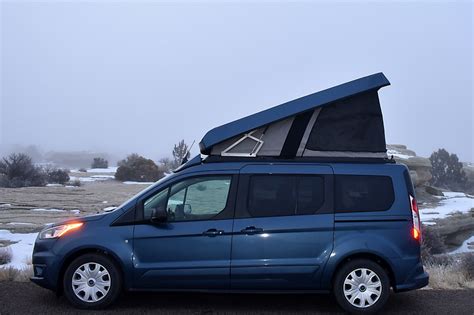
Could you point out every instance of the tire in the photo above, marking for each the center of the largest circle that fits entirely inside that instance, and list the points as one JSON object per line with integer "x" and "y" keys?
{"x": 96, "y": 288}
{"x": 370, "y": 292}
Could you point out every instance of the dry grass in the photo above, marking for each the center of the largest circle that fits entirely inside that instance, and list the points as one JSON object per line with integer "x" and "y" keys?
{"x": 448, "y": 277}
{"x": 5, "y": 255}
{"x": 12, "y": 274}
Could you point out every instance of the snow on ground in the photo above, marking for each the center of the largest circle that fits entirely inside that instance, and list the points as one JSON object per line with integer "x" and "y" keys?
{"x": 93, "y": 178}
{"x": 467, "y": 246}
{"x": 54, "y": 185}
{"x": 20, "y": 223}
{"x": 5, "y": 205}
{"x": 75, "y": 211}
{"x": 49, "y": 210}
{"x": 111, "y": 169}
{"x": 109, "y": 209}
{"x": 451, "y": 202}
{"x": 397, "y": 154}
{"x": 138, "y": 183}
{"x": 22, "y": 249}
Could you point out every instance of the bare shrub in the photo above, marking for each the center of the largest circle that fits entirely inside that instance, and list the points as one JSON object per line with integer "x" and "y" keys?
{"x": 467, "y": 265}
{"x": 432, "y": 244}
{"x": 5, "y": 255}
{"x": 99, "y": 162}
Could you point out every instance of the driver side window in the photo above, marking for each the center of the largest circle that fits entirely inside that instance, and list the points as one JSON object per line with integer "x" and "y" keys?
{"x": 199, "y": 198}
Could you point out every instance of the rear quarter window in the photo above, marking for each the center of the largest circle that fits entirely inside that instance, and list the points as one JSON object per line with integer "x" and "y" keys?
{"x": 361, "y": 193}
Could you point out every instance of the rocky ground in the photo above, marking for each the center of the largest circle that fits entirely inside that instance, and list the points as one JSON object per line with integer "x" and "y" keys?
{"x": 28, "y": 209}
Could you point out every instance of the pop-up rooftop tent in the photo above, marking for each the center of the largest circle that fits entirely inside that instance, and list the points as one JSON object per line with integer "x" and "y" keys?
{"x": 343, "y": 121}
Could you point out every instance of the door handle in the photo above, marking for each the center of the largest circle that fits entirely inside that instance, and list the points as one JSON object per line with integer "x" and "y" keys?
{"x": 213, "y": 232}
{"x": 251, "y": 230}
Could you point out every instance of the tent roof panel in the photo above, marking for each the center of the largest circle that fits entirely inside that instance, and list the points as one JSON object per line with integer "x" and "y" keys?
{"x": 291, "y": 108}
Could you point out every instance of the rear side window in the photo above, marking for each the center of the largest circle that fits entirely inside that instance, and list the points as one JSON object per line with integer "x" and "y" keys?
{"x": 284, "y": 195}
{"x": 355, "y": 193}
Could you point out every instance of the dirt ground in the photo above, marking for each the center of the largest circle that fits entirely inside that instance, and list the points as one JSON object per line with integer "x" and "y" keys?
{"x": 17, "y": 204}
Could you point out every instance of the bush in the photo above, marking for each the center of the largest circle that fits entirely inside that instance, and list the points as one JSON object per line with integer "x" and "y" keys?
{"x": 432, "y": 241}
{"x": 467, "y": 265}
{"x": 99, "y": 162}
{"x": 82, "y": 170}
{"x": 447, "y": 170}
{"x": 17, "y": 170}
{"x": 137, "y": 168}
{"x": 57, "y": 176}
{"x": 432, "y": 245}
{"x": 5, "y": 255}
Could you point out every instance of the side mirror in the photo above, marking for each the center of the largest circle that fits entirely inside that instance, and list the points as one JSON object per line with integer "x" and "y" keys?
{"x": 159, "y": 215}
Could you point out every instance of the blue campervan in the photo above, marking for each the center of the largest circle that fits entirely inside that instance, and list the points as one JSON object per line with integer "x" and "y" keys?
{"x": 297, "y": 198}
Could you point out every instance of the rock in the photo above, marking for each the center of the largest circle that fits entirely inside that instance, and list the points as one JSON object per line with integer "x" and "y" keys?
{"x": 420, "y": 167}
{"x": 433, "y": 191}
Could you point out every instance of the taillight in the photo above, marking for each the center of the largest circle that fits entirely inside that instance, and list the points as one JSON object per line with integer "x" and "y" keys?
{"x": 416, "y": 230}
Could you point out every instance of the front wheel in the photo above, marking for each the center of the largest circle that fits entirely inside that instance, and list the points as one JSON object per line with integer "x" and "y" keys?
{"x": 92, "y": 281}
{"x": 361, "y": 286}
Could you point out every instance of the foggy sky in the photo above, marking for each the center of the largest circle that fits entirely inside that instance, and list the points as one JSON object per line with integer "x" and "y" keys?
{"x": 138, "y": 76}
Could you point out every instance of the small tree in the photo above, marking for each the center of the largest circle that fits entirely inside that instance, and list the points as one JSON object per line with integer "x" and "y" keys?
{"x": 99, "y": 162}
{"x": 447, "y": 170}
{"x": 17, "y": 170}
{"x": 137, "y": 168}
{"x": 167, "y": 165}
{"x": 180, "y": 151}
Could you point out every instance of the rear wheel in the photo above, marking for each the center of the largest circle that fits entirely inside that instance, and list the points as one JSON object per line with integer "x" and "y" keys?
{"x": 361, "y": 286}
{"x": 92, "y": 281}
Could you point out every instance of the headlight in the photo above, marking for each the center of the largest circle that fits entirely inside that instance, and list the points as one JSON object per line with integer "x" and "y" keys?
{"x": 58, "y": 231}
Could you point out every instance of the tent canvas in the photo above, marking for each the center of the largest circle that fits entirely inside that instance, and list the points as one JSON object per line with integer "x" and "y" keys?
{"x": 343, "y": 121}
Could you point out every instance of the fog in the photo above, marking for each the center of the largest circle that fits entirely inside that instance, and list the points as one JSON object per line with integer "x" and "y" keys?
{"x": 124, "y": 77}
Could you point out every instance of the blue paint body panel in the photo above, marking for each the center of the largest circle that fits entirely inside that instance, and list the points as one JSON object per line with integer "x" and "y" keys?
{"x": 291, "y": 253}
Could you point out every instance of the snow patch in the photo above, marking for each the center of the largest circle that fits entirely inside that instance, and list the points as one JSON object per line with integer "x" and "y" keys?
{"x": 48, "y": 210}
{"x": 54, "y": 185}
{"x": 20, "y": 223}
{"x": 138, "y": 183}
{"x": 112, "y": 169}
{"x": 5, "y": 205}
{"x": 449, "y": 204}
{"x": 108, "y": 209}
{"x": 397, "y": 154}
{"x": 466, "y": 247}
{"x": 22, "y": 248}
{"x": 92, "y": 178}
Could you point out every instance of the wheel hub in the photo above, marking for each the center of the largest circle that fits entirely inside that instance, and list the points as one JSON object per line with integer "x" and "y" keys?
{"x": 362, "y": 288}
{"x": 91, "y": 282}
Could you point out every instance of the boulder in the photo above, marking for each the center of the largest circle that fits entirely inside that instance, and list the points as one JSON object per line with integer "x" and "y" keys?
{"x": 420, "y": 167}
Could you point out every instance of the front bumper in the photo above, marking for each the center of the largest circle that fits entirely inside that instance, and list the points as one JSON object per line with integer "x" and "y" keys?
{"x": 45, "y": 265}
